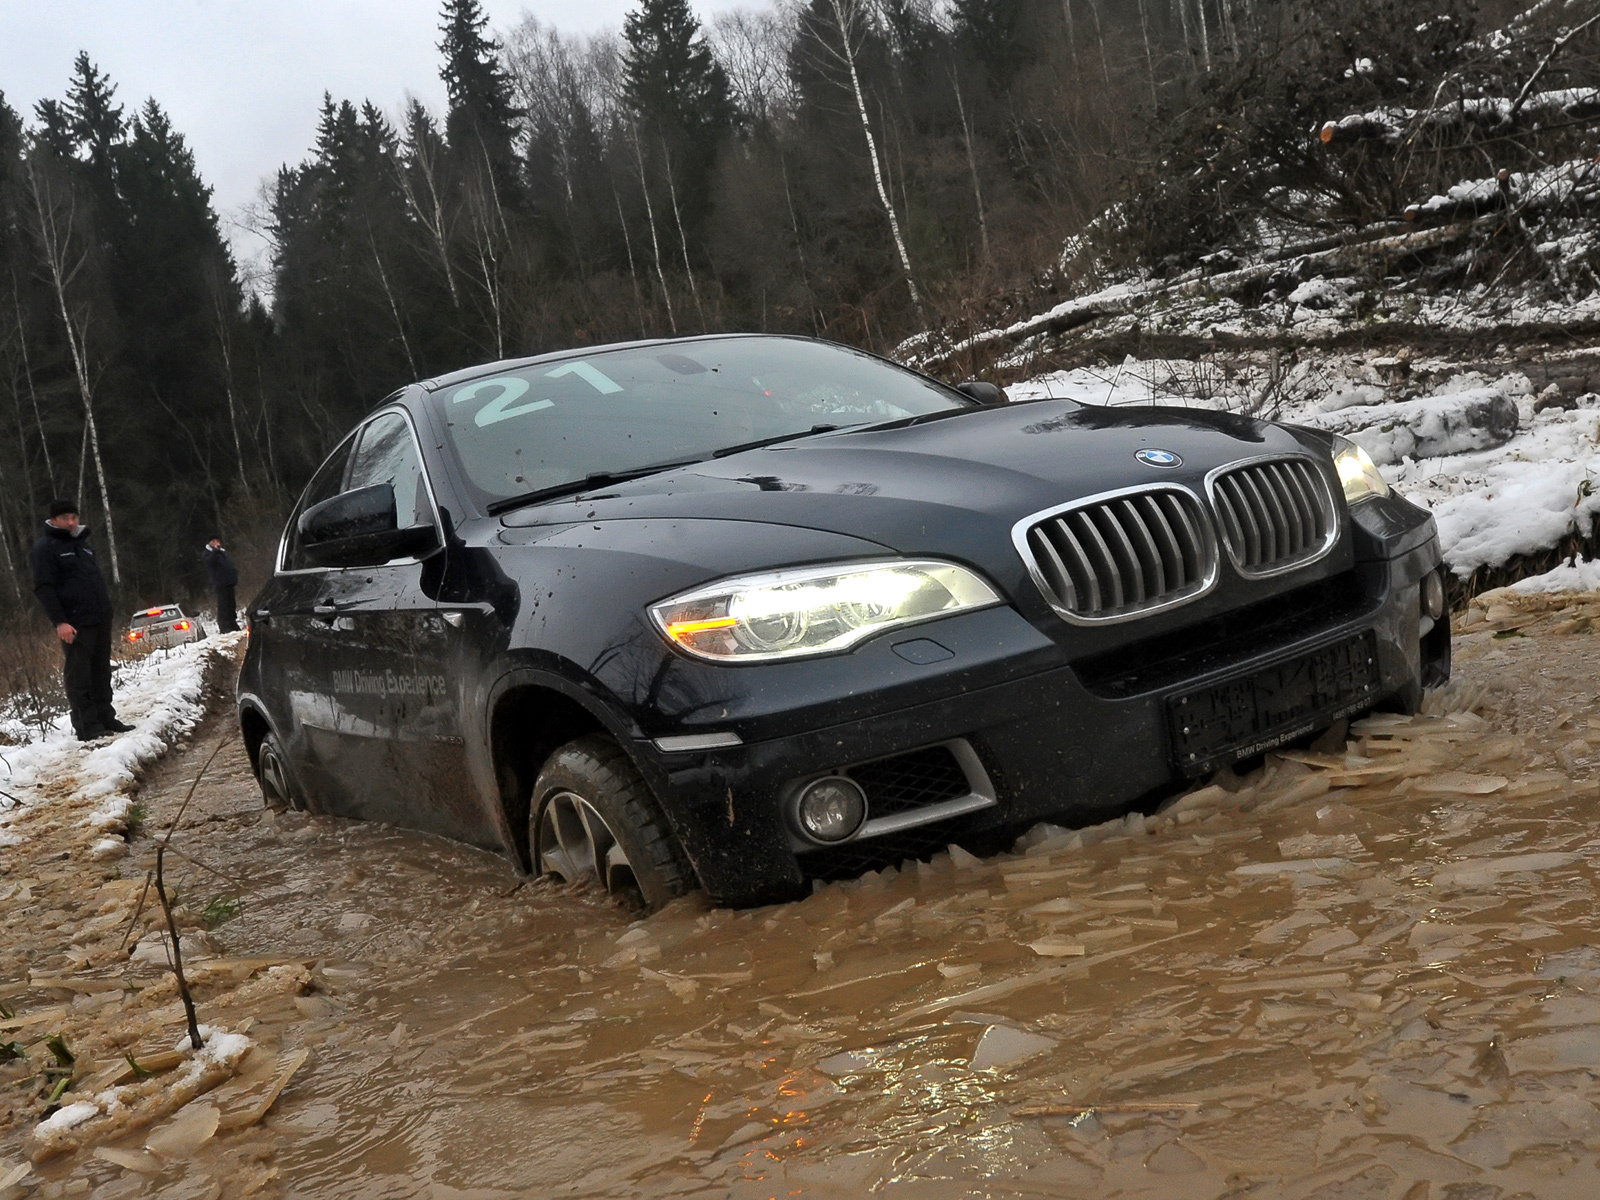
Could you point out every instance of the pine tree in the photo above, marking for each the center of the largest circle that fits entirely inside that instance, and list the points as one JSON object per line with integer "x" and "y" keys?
{"x": 97, "y": 121}
{"x": 670, "y": 77}
{"x": 482, "y": 124}
{"x": 54, "y": 131}
{"x": 999, "y": 34}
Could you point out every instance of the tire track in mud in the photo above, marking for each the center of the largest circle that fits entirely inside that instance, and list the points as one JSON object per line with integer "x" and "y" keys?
{"x": 1348, "y": 973}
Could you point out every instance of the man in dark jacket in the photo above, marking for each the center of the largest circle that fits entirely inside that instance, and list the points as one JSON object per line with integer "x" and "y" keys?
{"x": 67, "y": 580}
{"x": 224, "y": 578}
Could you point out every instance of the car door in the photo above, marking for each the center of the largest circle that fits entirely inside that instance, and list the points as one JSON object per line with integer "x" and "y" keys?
{"x": 397, "y": 686}
{"x": 296, "y": 638}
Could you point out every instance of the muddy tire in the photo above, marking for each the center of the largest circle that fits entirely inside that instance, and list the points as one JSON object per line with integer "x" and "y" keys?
{"x": 593, "y": 817}
{"x": 272, "y": 772}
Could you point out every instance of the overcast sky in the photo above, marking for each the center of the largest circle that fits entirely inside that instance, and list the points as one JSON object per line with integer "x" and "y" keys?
{"x": 242, "y": 79}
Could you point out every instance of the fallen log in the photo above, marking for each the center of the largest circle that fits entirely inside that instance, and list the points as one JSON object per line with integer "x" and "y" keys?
{"x": 1122, "y": 299}
{"x": 1496, "y": 114}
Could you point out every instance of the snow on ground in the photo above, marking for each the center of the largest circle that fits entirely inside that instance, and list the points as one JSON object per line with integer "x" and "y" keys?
{"x": 1575, "y": 575}
{"x": 160, "y": 695}
{"x": 1501, "y": 477}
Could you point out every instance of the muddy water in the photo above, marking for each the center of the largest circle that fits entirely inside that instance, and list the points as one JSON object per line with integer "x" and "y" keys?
{"x": 1367, "y": 973}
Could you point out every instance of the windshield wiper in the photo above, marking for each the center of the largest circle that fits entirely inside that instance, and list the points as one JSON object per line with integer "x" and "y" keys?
{"x": 573, "y": 487}
{"x": 596, "y": 479}
{"x": 772, "y": 441}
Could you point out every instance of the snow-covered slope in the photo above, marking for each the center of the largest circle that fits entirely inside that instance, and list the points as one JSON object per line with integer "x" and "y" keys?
{"x": 161, "y": 695}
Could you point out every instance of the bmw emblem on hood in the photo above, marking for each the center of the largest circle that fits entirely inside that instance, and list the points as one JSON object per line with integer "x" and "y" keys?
{"x": 1159, "y": 458}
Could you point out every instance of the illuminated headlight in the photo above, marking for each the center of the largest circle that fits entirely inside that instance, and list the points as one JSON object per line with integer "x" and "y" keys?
{"x": 1357, "y": 472}
{"x": 814, "y": 610}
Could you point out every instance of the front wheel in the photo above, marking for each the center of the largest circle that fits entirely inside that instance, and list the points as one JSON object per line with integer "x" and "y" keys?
{"x": 272, "y": 771}
{"x": 593, "y": 818}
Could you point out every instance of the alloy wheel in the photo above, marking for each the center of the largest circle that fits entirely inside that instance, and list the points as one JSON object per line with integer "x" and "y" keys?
{"x": 274, "y": 783}
{"x": 576, "y": 844}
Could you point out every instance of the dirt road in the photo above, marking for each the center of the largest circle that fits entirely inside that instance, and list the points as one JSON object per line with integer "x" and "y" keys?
{"x": 1364, "y": 974}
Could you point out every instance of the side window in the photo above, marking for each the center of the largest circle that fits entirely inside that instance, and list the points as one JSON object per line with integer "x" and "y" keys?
{"x": 387, "y": 453}
{"x": 327, "y": 483}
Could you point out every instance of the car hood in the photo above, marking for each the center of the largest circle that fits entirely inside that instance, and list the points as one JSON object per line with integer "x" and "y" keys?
{"x": 953, "y": 486}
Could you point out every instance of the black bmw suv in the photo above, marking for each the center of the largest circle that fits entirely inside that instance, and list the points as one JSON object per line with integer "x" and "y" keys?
{"x": 743, "y": 611}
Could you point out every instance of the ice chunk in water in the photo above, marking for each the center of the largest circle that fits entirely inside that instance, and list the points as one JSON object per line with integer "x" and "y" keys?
{"x": 850, "y": 1062}
{"x": 1056, "y": 947}
{"x": 1002, "y": 1045}
{"x": 962, "y": 859}
{"x": 129, "y": 1160}
{"x": 193, "y": 1127}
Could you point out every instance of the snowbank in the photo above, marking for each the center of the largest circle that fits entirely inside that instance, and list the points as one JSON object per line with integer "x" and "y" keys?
{"x": 1428, "y": 428}
{"x": 160, "y": 695}
{"x": 1574, "y": 575}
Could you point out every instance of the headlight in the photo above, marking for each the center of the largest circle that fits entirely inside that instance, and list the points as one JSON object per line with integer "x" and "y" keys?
{"x": 814, "y": 610}
{"x": 1357, "y": 472}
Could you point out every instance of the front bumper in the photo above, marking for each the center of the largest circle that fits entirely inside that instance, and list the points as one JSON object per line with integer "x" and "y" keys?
{"x": 1073, "y": 743}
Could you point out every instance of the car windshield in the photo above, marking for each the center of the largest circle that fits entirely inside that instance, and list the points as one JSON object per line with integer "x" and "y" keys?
{"x": 625, "y": 410}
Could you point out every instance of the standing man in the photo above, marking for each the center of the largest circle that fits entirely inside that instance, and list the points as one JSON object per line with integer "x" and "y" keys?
{"x": 67, "y": 580}
{"x": 224, "y": 578}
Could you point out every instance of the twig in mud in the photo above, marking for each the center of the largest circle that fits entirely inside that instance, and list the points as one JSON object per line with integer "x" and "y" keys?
{"x": 137, "y": 910}
{"x": 166, "y": 905}
{"x": 223, "y": 875}
{"x": 1075, "y": 1110}
{"x": 177, "y": 952}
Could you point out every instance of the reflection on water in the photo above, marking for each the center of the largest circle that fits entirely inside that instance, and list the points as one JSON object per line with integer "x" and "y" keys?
{"x": 1350, "y": 975}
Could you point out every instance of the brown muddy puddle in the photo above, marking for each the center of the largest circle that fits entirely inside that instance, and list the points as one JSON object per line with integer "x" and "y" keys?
{"x": 1369, "y": 974}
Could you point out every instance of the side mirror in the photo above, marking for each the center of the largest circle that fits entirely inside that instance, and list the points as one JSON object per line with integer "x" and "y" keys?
{"x": 984, "y": 393}
{"x": 360, "y": 529}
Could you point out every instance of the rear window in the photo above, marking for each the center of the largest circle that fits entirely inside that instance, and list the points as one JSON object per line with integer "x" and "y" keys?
{"x": 154, "y": 616}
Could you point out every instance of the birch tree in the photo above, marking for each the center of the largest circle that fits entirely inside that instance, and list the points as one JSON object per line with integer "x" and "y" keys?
{"x": 838, "y": 41}
{"x": 65, "y": 248}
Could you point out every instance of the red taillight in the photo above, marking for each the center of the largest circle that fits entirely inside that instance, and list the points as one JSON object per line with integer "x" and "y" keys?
{"x": 153, "y": 612}
{"x": 181, "y": 625}
{"x": 135, "y": 635}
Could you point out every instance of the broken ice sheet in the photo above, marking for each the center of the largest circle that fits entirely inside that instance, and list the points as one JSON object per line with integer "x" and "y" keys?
{"x": 1313, "y": 845}
{"x": 1057, "y": 947}
{"x": 1280, "y": 930}
{"x": 140, "y": 1161}
{"x": 193, "y": 1126}
{"x": 1484, "y": 872}
{"x": 1002, "y": 1045}
{"x": 849, "y": 1062}
{"x": 1459, "y": 783}
{"x": 1326, "y": 943}
{"x": 748, "y": 1132}
{"x": 245, "y": 1100}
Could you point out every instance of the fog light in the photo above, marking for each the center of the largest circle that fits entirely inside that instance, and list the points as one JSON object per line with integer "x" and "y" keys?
{"x": 1433, "y": 595}
{"x": 832, "y": 809}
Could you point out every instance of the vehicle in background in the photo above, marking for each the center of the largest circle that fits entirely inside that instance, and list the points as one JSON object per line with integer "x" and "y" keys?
{"x": 163, "y": 627}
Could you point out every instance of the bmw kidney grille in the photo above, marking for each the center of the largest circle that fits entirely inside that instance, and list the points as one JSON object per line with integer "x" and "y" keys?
{"x": 1122, "y": 555}
{"x": 1274, "y": 515}
{"x": 1127, "y": 554}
